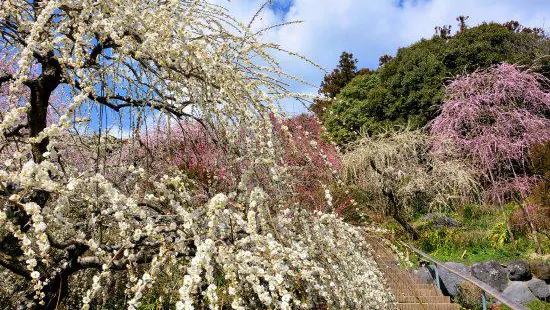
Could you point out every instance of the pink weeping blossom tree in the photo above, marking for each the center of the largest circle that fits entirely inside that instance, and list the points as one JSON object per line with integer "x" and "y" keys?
{"x": 494, "y": 117}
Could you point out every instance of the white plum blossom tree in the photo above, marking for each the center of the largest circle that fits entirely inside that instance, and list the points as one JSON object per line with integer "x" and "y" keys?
{"x": 400, "y": 172}
{"x": 72, "y": 233}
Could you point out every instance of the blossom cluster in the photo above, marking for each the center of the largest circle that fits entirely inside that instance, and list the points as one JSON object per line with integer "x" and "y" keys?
{"x": 260, "y": 255}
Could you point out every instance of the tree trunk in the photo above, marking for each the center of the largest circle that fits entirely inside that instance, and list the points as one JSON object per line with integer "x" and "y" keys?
{"x": 408, "y": 227}
{"x": 533, "y": 228}
{"x": 41, "y": 91}
{"x": 396, "y": 214}
{"x": 37, "y": 119}
{"x": 508, "y": 226}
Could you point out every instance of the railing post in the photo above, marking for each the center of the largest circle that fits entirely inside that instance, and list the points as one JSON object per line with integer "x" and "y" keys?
{"x": 484, "y": 300}
{"x": 436, "y": 271}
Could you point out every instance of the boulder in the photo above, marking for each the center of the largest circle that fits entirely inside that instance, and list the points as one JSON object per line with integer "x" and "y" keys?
{"x": 425, "y": 275}
{"x": 491, "y": 273}
{"x": 518, "y": 271}
{"x": 539, "y": 288}
{"x": 541, "y": 270}
{"x": 449, "y": 281}
{"x": 519, "y": 292}
{"x": 440, "y": 220}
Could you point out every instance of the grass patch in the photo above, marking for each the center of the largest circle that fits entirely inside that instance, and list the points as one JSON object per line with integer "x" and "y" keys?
{"x": 534, "y": 305}
{"x": 481, "y": 236}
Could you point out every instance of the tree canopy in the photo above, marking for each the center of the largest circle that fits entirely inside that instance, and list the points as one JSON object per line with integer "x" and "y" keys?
{"x": 494, "y": 117}
{"x": 410, "y": 87}
{"x": 402, "y": 175}
{"x": 333, "y": 83}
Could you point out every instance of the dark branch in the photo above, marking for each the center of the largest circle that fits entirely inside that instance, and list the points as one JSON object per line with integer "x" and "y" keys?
{"x": 60, "y": 245}
{"x": 15, "y": 131}
{"x": 14, "y": 266}
{"x": 373, "y": 166}
{"x": 97, "y": 50}
{"x": 131, "y": 102}
{"x": 5, "y": 78}
{"x": 151, "y": 206}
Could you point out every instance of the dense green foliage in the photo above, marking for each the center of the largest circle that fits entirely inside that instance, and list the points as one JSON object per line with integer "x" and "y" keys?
{"x": 534, "y": 305}
{"x": 334, "y": 82}
{"x": 360, "y": 108}
{"x": 410, "y": 87}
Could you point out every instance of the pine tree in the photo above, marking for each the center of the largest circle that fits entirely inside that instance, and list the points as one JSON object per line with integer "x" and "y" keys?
{"x": 334, "y": 82}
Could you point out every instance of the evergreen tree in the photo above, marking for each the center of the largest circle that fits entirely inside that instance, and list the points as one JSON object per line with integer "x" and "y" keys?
{"x": 334, "y": 82}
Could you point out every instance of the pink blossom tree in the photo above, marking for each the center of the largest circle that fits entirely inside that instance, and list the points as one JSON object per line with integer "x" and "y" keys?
{"x": 313, "y": 162}
{"x": 493, "y": 117}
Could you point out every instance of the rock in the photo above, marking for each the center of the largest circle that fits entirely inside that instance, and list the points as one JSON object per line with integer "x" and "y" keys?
{"x": 440, "y": 220}
{"x": 491, "y": 273}
{"x": 539, "y": 288}
{"x": 425, "y": 275}
{"x": 445, "y": 222}
{"x": 541, "y": 270}
{"x": 449, "y": 281}
{"x": 518, "y": 271}
{"x": 519, "y": 292}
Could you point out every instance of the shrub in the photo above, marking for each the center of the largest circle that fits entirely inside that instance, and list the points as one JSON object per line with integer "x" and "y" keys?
{"x": 469, "y": 296}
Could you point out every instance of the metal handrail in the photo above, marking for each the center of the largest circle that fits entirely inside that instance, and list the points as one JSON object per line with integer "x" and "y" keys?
{"x": 484, "y": 286}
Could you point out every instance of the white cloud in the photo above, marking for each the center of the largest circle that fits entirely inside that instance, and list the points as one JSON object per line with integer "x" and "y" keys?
{"x": 370, "y": 28}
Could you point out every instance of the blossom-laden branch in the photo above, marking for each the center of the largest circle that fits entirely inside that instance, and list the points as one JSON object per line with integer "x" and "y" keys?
{"x": 78, "y": 207}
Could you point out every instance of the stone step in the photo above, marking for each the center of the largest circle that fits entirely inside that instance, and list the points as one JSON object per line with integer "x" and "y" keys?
{"x": 410, "y": 291}
{"x": 423, "y": 299}
{"x": 406, "y": 285}
{"x": 403, "y": 279}
{"x": 437, "y": 306}
{"x": 416, "y": 292}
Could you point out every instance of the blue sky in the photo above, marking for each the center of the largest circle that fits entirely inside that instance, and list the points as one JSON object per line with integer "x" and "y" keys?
{"x": 281, "y": 7}
{"x": 370, "y": 28}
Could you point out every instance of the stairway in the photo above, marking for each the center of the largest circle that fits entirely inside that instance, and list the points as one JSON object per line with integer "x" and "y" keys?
{"x": 411, "y": 292}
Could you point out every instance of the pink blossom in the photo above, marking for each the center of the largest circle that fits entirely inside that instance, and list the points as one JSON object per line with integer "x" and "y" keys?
{"x": 494, "y": 117}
